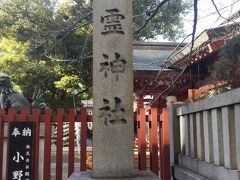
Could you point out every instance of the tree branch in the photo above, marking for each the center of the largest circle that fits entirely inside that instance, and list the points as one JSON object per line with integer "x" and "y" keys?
{"x": 151, "y": 16}
{"x": 215, "y": 6}
{"x": 190, "y": 54}
{"x": 195, "y": 19}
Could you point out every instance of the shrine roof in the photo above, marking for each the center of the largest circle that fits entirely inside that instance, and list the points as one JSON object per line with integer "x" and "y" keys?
{"x": 149, "y": 56}
{"x": 204, "y": 40}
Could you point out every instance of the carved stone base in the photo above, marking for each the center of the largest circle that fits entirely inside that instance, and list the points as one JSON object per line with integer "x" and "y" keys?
{"x": 138, "y": 175}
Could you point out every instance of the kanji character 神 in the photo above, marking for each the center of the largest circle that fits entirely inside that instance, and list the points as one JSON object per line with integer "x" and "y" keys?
{"x": 116, "y": 66}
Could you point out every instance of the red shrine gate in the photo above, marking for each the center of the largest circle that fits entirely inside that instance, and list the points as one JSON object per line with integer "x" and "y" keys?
{"x": 151, "y": 144}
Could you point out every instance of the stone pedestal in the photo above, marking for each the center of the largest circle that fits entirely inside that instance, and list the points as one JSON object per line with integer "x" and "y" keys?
{"x": 138, "y": 175}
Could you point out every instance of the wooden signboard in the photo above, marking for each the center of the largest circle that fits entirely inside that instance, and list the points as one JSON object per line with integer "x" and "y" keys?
{"x": 21, "y": 150}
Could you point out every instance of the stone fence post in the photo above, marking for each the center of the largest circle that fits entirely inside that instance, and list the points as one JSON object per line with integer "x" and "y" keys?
{"x": 174, "y": 130}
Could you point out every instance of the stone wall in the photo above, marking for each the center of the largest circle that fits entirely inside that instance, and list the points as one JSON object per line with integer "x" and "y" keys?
{"x": 204, "y": 138}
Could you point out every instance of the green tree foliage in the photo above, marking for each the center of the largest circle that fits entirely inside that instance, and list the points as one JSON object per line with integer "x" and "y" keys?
{"x": 43, "y": 46}
{"x": 167, "y": 22}
{"x": 48, "y": 45}
{"x": 228, "y": 67}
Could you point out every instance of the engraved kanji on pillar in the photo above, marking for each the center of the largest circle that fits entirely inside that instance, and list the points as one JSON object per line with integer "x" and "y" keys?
{"x": 112, "y": 22}
{"x": 115, "y": 65}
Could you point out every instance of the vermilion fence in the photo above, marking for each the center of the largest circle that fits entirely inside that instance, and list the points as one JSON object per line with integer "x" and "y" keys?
{"x": 48, "y": 119}
{"x": 152, "y": 144}
{"x": 153, "y": 141}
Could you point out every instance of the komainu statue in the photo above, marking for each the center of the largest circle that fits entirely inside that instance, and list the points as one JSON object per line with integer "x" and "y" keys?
{"x": 10, "y": 98}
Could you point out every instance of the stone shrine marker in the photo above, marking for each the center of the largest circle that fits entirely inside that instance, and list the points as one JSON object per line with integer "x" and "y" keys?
{"x": 113, "y": 133}
{"x": 112, "y": 89}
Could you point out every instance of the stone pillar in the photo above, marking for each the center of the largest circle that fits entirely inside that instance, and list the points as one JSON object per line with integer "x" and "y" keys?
{"x": 174, "y": 131}
{"x": 229, "y": 138}
{"x": 187, "y": 136}
{"x": 217, "y": 131}
{"x": 208, "y": 141}
{"x": 184, "y": 135}
{"x": 112, "y": 89}
{"x": 237, "y": 127}
{"x": 113, "y": 133}
{"x": 193, "y": 137}
{"x": 200, "y": 136}
{"x": 174, "y": 135}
